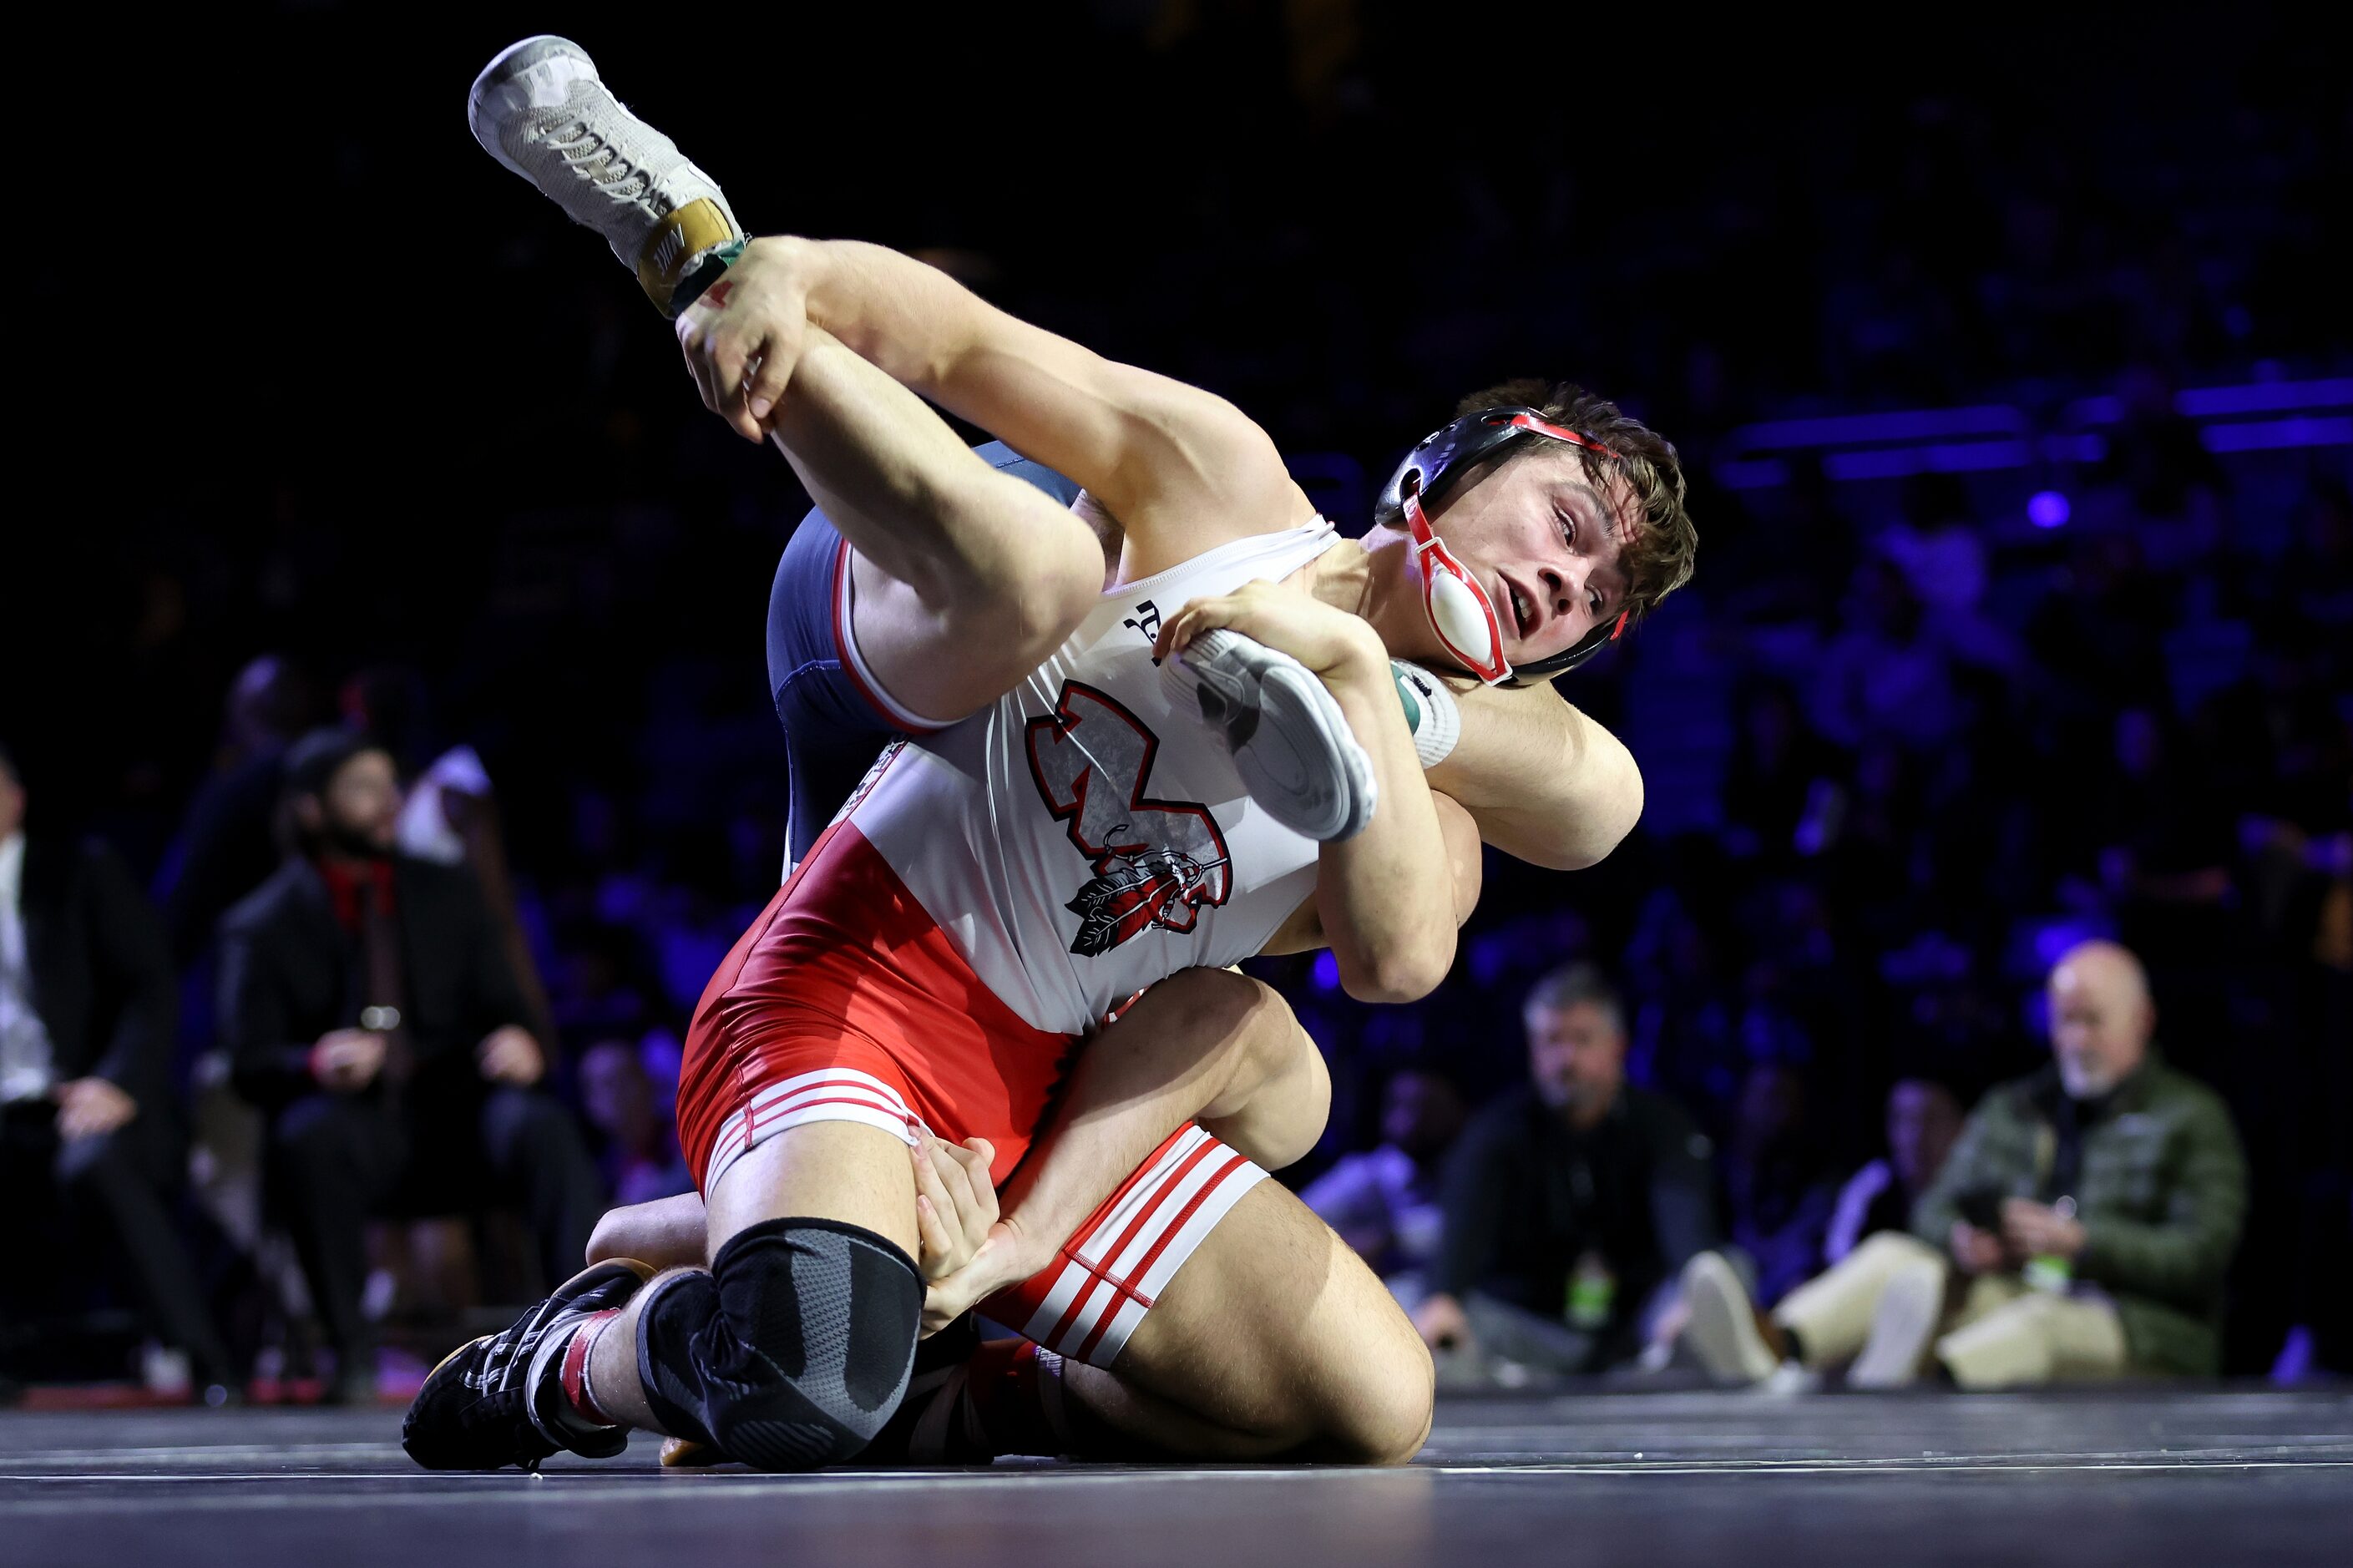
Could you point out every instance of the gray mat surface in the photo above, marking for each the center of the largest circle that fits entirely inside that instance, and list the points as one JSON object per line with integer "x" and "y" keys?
{"x": 2139, "y": 1477}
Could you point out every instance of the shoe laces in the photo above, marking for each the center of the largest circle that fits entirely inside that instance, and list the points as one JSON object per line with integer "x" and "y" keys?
{"x": 511, "y": 1352}
{"x": 596, "y": 161}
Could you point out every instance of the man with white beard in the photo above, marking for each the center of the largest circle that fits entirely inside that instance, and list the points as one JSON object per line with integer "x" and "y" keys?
{"x": 2080, "y": 1229}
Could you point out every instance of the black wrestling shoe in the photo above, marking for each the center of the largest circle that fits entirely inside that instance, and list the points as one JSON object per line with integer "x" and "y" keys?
{"x": 499, "y": 1400}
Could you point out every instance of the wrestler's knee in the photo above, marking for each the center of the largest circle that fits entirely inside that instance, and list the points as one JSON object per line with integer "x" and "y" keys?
{"x": 801, "y": 1338}
{"x": 1386, "y": 1413}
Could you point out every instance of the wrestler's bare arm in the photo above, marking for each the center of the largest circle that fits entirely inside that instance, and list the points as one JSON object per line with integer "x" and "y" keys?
{"x": 1182, "y": 468}
{"x": 1544, "y": 783}
{"x": 1380, "y": 895}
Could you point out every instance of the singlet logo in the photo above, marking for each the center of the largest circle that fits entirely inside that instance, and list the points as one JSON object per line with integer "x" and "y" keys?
{"x": 1156, "y": 863}
{"x": 1146, "y": 621}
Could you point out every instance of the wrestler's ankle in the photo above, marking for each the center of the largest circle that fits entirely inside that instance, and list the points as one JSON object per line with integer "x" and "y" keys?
{"x": 578, "y": 1384}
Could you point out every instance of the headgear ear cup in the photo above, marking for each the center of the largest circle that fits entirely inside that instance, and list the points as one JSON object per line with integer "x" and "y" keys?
{"x": 1461, "y": 617}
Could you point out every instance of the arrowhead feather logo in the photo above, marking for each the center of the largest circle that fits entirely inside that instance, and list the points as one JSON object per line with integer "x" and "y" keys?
{"x": 1156, "y": 863}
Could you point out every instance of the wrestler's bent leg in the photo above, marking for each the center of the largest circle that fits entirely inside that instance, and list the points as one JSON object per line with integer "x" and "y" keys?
{"x": 1206, "y": 1045}
{"x": 793, "y": 1349}
{"x": 1205, "y": 1313}
{"x": 1275, "y": 1338}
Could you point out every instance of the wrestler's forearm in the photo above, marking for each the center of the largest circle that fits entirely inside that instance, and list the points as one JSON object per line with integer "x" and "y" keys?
{"x": 1544, "y": 783}
{"x": 1150, "y": 447}
{"x": 1384, "y": 897}
{"x": 908, "y": 319}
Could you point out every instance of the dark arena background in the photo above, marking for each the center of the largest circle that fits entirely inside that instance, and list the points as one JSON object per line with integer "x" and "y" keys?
{"x": 2010, "y": 358}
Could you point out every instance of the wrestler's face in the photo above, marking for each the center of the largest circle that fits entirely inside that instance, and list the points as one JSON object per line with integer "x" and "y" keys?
{"x": 1545, "y": 543}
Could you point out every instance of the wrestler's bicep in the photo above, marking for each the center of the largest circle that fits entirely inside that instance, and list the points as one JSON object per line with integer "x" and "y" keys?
{"x": 1303, "y": 931}
{"x": 1183, "y": 469}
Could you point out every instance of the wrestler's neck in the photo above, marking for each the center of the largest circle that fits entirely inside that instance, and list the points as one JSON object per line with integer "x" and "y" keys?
{"x": 1373, "y": 577}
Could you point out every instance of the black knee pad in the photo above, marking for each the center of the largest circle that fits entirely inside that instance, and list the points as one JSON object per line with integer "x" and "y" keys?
{"x": 792, "y": 1351}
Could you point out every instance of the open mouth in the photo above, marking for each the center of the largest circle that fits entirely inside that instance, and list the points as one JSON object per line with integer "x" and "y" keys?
{"x": 1522, "y": 613}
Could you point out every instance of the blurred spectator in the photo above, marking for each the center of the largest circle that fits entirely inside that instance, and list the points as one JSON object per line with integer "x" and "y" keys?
{"x": 1924, "y": 1117}
{"x": 451, "y": 811}
{"x": 1884, "y": 678}
{"x": 1569, "y": 1202}
{"x": 1777, "y": 1203}
{"x": 1776, "y": 780}
{"x": 1935, "y": 546}
{"x": 1385, "y": 1202}
{"x": 2154, "y": 455}
{"x": 87, "y": 1132}
{"x": 227, "y": 844}
{"x": 2084, "y": 1221}
{"x": 623, "y": 1103}
{"x": 368, "y": 1007}
{"x": 1685, "y": 1031}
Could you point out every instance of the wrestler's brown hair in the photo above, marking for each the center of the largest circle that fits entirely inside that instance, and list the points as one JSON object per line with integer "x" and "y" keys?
{"x": 1659, "y": 558}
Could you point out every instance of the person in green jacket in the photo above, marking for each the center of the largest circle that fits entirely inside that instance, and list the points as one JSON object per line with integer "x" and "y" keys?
{"x": 2080, "y": 1229}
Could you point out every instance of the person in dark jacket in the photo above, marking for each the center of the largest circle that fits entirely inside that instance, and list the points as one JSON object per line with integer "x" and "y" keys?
{"x": 1569, "y": 1202}
{"x": 88, "y": 1003}
{"x": 369, "y": 1009}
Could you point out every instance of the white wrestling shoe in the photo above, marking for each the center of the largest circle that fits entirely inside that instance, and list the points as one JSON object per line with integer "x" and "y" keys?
{"x": 1286, "y": 732}
{"x": 541, "y": 108}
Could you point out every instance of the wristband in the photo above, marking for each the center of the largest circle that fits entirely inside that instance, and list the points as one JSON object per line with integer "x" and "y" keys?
{"x": 1430, "y": 711}
{"x": 693, "y": 250}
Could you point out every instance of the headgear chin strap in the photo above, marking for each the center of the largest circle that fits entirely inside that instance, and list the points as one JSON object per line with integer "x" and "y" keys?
{"x": 1459, "y": 610}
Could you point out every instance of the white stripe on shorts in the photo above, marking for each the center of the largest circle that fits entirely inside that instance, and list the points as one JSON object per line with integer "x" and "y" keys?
{"x": 1112, "y": 1273}
{"x": 833, "y": 1094}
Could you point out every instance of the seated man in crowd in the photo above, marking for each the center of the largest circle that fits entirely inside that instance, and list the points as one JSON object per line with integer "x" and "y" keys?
{"x": 1924, "y": 1118}
{"x": 88, "y": 1002}
{"x": 2080, "y": 1229}
{"x": 369, "y": 1009}
{"x": 1570, "y": 1201}
{"x": 1385, "y": 1202}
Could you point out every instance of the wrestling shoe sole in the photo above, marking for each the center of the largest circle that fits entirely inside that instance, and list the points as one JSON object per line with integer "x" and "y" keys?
{"x": 1283, "y": 728}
